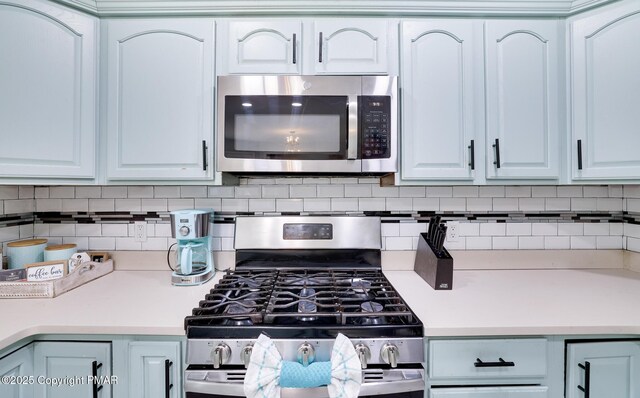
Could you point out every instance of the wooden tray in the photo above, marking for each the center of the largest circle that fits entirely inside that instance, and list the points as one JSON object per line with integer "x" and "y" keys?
{"x": 49, "y": 289}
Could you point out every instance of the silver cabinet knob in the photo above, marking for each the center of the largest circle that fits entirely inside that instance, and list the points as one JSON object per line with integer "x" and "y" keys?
{"x": 246, "y": 354}
{"x": 184, "y": 230}
{"x": 220, "y": 355}
{"x": 306, "y": 354}
{"x": 389, "y": 354}
{"x": 364, "y": 353}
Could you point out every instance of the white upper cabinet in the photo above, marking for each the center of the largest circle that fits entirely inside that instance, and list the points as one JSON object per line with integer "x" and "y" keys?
{"x": 160, "y": 99}
{"x": 293, "y": 46}
{"x": 351, "y": 46}
{"x": 522, "y": 61}
{"x": 605, "y": 82}
{"x": 47, "y": 91}
{"x": 440, "y": 74}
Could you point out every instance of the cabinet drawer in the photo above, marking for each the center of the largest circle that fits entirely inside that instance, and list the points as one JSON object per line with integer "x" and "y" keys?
{"x": 489, "y": 392}
{"x": 481, "y": 359}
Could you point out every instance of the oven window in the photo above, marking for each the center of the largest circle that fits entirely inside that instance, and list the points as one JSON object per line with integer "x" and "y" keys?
{"x": 286, "y": 127}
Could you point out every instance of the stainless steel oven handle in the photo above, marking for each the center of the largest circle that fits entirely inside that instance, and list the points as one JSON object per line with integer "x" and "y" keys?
{"x": 352, "y": 126}
{"x": 367, "y": 389}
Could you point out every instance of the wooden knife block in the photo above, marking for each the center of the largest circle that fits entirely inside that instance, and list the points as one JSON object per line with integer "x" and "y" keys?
{"x": 436, "y": 269}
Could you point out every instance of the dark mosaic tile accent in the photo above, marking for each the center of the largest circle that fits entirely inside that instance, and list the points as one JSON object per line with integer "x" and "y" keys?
{"x": 12, "y": 220}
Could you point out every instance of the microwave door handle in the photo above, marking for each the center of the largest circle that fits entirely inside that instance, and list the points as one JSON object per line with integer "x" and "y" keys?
{"x": 352, "y": 127}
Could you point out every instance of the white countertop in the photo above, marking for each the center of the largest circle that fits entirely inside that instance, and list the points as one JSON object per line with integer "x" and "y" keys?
{"x": 482, "y": 303}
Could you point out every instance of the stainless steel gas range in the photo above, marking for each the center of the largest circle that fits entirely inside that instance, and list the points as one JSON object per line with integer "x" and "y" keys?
{"x": 301, "y": 281}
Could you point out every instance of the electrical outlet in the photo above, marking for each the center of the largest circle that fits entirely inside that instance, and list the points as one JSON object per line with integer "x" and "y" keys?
{"x": 452, "y": 231}
{"x": 140, "y": 231}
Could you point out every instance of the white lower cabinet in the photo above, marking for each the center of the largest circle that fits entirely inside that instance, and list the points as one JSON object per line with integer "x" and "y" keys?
{"x": 15, "y": 366}
{"x": 489, "y": 392}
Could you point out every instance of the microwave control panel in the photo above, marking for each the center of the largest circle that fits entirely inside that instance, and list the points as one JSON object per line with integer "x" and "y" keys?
{"x": 375, "y": 126}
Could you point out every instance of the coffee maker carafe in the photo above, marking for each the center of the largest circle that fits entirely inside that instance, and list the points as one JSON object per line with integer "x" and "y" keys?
{"x": 194, "y": 259}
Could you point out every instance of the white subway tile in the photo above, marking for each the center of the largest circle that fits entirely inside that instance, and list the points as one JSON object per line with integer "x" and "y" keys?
{"x": 390, "y": 229}
{"x": 399, "y": 204}
{"x": 569, "y": 192}
{"x": 439, "y": 192}
{"x": 344, "y": 204}
{"x": 100, "y": 205}
{"x": 479, "y": 204}
{"x": 9, "y": 192}
{"x": 313, "y": 204}
{"x": 398, "y": 243}
{"x": 384, "y": 192}
{"x": 530, "y": 242}
{"x": 206, "y": 203}
{"x": 248, "y": 192}
{"x": 226, "y": 244}
{"x": 26, "y": 192}
{"x": 41, "y": 230}
{"x": 261, "y": 181}
{"x": 234, "y": 205}
{"x": 505, "y": 204}
{"x": 357, "y": 191}
{"x": 221, "y": 192}
{"x": 163, "y": 230}
{"x": 166, "y": 191}
{"x": 371, "y": 204}
{"x": 608, "y": 242}
{"x": 71, "y": 205}
{"x": 216, "y": 244}
{"x": 154, "y": 205}
{"x": 330, "y": 191}
{"x": 531, "y": 204}
{"x": 368, "y": 180}
{"x": 344, "y": 180}
{"x": 544, "y": 192}
{"x": 544, "y": 229}
{"x": 137, "y": 192}
{"x": 81, "y": 243}
{"x": 45, "y": 205}
{"x": 128, "y": 244}
{"x": 633, "y": 205}
{"x": 591, "y": 191}
{"x": 26, "y": 231}
{"x": 1, "y": 206}
{"x": 633, "y": 244}
{"x": 478, "y": 243}
{"x": 616, "y": 228}
{"x": 491, "y": 192}
{"x": 62, "y": 230}
{"x": 180, "y": 204}
{"x": 194, "y": 191}
{"x": 557, "y": 242}
{"x": 583, "y": 242}
{"x": 609, "y": 204}
{"x": 632, "y": 230}
{"x": 88, "y": 192}
{"x": 9, "y": 233}
{"x": 518, "y": 192}
{"x": 465, "y": 192}
{"x": 631, "y": 191}
{"x": 412, "y": 229}
{"x": 19, "y": 206}
{"x": 493, "y": 229}
{"x": 302, "y": 191}
{"x": 558, "y": 204}
{"x": 583, "y": 204}
{"x": 412, "y": 192}
{"x": 453, "y": 204}
{"x": 41, "y": 193}
{"x": 469, "y": 229}
{"x": 414, "y": 243}
{"x": 115, "y": 230}
{"x": 600, "y": 228}
{"x": 62, "y": 192}
{"x": 460, "y": 244}
{"x": 316, "y": 180}
{"x": 154, "y": 244}
{"x": 518, "y": 229}
{"x": 425, "y": 204}
{"x": 505, "y": 242}
{"x": 114, "y": 193}
{"x": 128, "y": 204}
{"x": 262, "y": 205}
{"x": 54, "y": 240}
{"x": 288, "y": 205}
{"x": 570, "y": 229}
{"x": 275, "y": 191}
{"x": 615, "y": 191}
{"x": 88, "y": 230}
{"x": 288, "y": 181}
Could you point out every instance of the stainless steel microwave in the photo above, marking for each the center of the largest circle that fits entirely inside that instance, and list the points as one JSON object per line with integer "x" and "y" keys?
{"x": 307, "y": 124}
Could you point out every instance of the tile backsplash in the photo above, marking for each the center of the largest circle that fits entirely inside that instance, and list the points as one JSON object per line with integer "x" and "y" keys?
{"x": 491, "y": 217}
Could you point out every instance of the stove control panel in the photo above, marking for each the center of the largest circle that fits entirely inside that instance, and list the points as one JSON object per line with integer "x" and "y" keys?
{"x": 307, "y": 231}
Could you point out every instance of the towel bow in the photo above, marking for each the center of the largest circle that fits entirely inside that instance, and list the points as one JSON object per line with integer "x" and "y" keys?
{"x": 267, "y": 372}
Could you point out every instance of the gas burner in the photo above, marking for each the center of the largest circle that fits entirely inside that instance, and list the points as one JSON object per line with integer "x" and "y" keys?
{"x": 372, "y": 307}
{"x": 308, "y": 305}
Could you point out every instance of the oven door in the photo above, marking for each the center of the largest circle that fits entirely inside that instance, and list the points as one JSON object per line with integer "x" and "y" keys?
{"x": 379, "y": 383}
{"x": 288, "y": 123}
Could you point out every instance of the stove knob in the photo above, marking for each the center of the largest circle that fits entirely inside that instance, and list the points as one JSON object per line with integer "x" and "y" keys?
{"x": 246, "y": 354}
{"x": 184, "y": 230}
{"x": 306, "y": 354}
{"x": 364, "y": 353}
{"x": 389, "y": 354}
{"x": 220, "y": 355}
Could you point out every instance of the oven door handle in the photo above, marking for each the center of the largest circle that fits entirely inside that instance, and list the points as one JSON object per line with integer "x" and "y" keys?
{"x": 367, "y": 389}
{"x": 352, "y": 127}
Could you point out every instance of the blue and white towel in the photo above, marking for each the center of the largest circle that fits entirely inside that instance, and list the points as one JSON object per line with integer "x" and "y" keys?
{"x": 268, "y": 373}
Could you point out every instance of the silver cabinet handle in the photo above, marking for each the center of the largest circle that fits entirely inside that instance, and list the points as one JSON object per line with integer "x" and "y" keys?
{"x": 320, "y": 47}
{"x": 295, "y": 44}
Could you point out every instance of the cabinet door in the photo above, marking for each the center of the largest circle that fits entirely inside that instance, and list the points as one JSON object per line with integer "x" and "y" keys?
{"x": 160, "y": 99}
{"x": 265, "y": 47}
{"x": 154, "y": 369}
{"x": 523, "y": 91}
{"x": 73, "y": 361}
{"x": 613, "y": 369}
{"x": 351, "y": 46}
{"x": 19, "y": 363}
{"x": 489, "y": 392}
{"x": 605, "y": 60}
{"x": 439, "y": 77}
{"x": 47, "y": 91}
